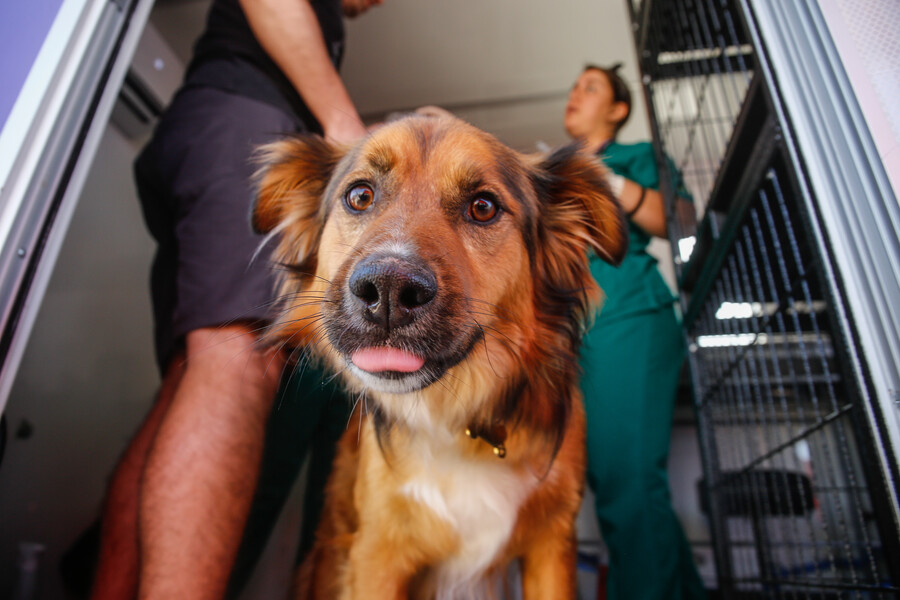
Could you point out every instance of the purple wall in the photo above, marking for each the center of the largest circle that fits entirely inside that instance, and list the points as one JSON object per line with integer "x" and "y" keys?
{"x": 24, "y": 24}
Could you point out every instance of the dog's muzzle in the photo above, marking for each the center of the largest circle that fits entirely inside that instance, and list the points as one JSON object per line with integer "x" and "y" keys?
{"x": 397, "y": 322}
{"x": 391, "y": 291}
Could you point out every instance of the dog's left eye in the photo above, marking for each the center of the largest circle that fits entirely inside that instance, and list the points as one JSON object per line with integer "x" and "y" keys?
{"x": 483, "y": 209}
{"x": 359, "y": 197}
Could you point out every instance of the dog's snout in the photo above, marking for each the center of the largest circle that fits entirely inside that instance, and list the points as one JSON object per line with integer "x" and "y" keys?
{"x": 392, "y": 289}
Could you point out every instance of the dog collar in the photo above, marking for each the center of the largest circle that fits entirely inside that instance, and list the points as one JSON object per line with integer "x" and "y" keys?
{"x": 494, "y": 434}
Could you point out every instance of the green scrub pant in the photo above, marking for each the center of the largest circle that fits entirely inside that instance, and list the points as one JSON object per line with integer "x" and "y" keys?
{"x": 631, "y": 369}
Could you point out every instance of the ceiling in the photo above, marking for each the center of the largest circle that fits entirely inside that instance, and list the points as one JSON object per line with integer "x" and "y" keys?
{"x": 504, "y": 65}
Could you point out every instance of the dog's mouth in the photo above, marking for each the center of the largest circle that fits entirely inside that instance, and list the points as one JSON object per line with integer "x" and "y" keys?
{"x": 393, "y": 370}
{"x": 396, "y": 324}
{"x": 384, "y": 359}
{"x": 388, "y": 369}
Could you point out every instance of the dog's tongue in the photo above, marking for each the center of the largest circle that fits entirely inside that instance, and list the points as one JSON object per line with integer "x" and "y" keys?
{"x": 375, "y": 360}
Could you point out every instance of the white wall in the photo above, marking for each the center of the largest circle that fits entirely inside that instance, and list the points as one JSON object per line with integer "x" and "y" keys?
{"x": 486, "y": 60}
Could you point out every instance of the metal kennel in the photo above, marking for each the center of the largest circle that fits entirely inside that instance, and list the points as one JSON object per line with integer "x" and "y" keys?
{"x": 786, "y": 299}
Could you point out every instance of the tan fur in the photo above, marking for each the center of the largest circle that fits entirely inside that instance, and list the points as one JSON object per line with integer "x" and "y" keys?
{"x": 409, "y": 503}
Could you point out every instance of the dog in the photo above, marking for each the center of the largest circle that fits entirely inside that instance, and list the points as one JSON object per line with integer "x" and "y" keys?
{"x": 445, "y": 277}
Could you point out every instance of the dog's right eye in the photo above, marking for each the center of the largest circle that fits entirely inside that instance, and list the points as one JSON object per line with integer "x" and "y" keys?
{"x": 359, "y": 197}
{"x": 483, "y": 209}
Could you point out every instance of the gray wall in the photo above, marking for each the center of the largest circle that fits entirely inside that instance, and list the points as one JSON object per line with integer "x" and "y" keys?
{"x": 87, "y": 376}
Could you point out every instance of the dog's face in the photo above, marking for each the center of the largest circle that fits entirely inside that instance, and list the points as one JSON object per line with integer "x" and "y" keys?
{"x": 430, "y": 243}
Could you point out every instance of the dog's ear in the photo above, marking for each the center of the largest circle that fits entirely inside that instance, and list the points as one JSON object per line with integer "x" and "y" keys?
{"x": 579, "y": 209}
{"x": 576, "y": 212}
{"x": 291, "y": 181}
{"x": 290, "y": 187}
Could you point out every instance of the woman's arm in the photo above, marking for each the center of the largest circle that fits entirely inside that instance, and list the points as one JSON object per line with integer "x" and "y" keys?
{"x": 643, "y": 206}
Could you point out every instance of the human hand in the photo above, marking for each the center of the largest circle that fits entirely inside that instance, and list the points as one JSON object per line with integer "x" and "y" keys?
{"x": 344, "y": 130}
{"x": 434, "y": 111}
{"x": 354, "y": 8}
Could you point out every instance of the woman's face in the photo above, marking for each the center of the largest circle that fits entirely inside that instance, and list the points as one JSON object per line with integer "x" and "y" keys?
{"x": 590, "y": 105}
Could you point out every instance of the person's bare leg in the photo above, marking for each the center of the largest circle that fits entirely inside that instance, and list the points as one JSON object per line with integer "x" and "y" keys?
{"x": 202, "y": 470}
{"x": 116, "y": 577}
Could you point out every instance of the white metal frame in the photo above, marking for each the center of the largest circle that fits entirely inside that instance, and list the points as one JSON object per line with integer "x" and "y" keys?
{"x": 46, "y": 149}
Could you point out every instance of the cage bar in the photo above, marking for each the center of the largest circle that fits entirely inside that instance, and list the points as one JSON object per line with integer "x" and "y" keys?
{"x": 795, "y": 501}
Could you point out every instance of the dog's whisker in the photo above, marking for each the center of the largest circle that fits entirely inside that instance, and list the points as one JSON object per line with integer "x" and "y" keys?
{"x": 298, "y": 305}
{"x": 411, "y": 406}
{"x": 492, "y": 315}
{"x": 272, "y": 360}
{"x": 356, "y": 402}
{"x": 343, "y": 249}
{"x": 293, "y": 269}
{"x": 334, "y": 376}
{"x": 497, "y": 313}
{"x": 285, "y": 299}
{"x": 261, "y": 327}
{"x": 245, "y": 332}
{"x": 253, "y": 310}
{"x": 297, "y": 369}
{"x": 453, "y": 391}
{"x": 286, "y": 321}
{"x": 300, "y": 293}
{"x": 502, "y": 320}
{"x": 312, "y": 320}
{"x": 497, "y": 335}
{"x": 365, "y": 400}
{"x": 482, "y": 301}
{"x": 340, "y": 339}
{"x": 487, "y": 352}
{"x": 285, "y": 342}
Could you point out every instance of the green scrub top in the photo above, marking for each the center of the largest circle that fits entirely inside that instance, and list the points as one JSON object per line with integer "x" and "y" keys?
{"x": 631, "y": 362}
{"x": 636, "y": 285}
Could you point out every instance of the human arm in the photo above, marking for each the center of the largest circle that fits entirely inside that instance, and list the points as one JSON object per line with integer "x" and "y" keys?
{"x": 647, "y": 212}
{"x": 289, "y": 32}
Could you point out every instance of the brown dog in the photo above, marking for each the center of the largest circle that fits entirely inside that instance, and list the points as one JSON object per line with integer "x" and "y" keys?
{"x": 446, "y": 277}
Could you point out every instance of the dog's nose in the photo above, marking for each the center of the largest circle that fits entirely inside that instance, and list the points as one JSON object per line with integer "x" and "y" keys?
{"x": 392, "y": 289}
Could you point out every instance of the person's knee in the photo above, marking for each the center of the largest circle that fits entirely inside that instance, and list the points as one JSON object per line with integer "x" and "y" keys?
{"x": 228, "y": 342}
{"x": 236, "y": 355}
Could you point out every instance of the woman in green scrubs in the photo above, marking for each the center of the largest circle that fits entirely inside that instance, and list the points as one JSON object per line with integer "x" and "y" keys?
{"x": 631, "y": 359}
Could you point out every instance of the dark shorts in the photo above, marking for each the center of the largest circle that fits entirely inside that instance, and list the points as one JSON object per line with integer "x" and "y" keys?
{"x": 194, "y": 180}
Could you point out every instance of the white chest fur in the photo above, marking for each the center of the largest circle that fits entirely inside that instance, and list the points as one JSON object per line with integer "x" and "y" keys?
{"x": 479, "y": 499}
